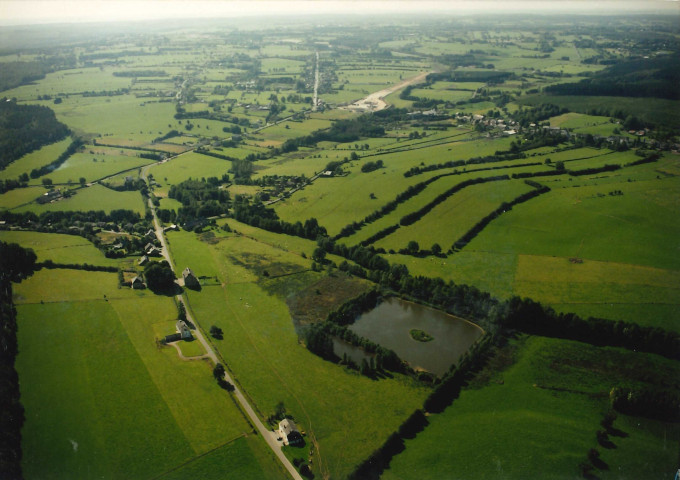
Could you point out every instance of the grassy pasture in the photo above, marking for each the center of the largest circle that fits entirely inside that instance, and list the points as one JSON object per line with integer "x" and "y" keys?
{"x": 58, "y": 247}
{"x": 446, "y": 95}
{"x": 242, "y": 459}
{"x": 120, "y": 116}
{"x": 335, "y": 203}
{"x": 110, "y": 351}
{"x": 430, "y": 193}
{"x": 262, "y": 348}
{"x": 35, "y": 159}
{"x": 189, "y": 165}
{"x": 85, "y": 428}
{"x": 19, "y": 196}
{"x": 84, "y": 165}
{"x": 70, "y": 82}
{"x": 449, "y": 220}
{"x": 639, "y": 224}
{"x": 652, "y": 110}
{"x": 553, "y": 397}
{"x": 556, "y": 280}
{"x": 95, "y": 197}
{"x": 263, "y": 351}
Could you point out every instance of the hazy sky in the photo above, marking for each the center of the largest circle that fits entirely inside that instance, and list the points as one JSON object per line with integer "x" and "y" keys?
{"x": 13, "y": 12}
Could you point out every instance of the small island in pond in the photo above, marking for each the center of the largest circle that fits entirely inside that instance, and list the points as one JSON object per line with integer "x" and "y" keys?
{"x": 420, "y": 335}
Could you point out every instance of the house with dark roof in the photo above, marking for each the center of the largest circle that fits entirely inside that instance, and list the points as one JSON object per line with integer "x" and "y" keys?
{"x": 190, "y": 280}
{"x": 289, "y": 432}
{"x": 137, "y": 283}
{"x": 151, "y": 250}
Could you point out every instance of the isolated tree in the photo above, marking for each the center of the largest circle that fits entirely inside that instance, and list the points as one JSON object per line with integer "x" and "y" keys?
{"x": 82, "y": 181}
{"x": 216, "y": 332}
{"x": 218, "y": 372}
{"x": 413, "y": 247}
{"x": 436, "y": 249}
{"x": 47, "y": 182}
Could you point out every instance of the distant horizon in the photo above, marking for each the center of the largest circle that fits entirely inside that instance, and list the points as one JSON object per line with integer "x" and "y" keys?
{"x": 39, "y": 12}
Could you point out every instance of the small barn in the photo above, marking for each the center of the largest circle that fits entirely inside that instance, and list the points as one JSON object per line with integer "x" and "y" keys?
{"x": 190, "y": 280}
{"x": 289, "y": 432}
{"x": 183, "y": 330}
{"x": 137, "y": 283}
{"x": 143, "y": 260}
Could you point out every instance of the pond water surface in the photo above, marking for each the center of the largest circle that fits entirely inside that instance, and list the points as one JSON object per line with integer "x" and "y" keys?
{"x": 389, "y": 324}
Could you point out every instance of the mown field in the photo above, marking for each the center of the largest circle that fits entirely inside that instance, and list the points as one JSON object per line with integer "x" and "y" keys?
{"x": 539, "y": 411}
{"x": 104, "y": 399}
{"x": 263, "y": 352}
{"x": 108, "y": 347}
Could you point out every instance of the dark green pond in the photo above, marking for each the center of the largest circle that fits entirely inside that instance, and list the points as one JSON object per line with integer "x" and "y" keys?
{"x": 389, "y": 325}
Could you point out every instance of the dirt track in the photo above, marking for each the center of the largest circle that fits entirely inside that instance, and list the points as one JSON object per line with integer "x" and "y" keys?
{"x": 375, "y": 102}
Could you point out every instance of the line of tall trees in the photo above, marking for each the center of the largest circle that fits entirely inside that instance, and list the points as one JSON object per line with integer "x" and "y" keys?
{"x": 25, "y": 128}
{"x": 16, "y": 264}
{"x": 257, "y": 215}
{"x": 504, "y": 207}
{"x": 73, "y": 147}
{"x": 413, "y": 217}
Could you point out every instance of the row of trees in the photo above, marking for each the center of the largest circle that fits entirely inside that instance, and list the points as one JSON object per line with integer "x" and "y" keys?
{"x": 413, "y": 217}
{"x": 504, "y": 207}
{"x": 25, "y": 128}
{"x": 257, "y": 215}
{"x": 16, "y": 263}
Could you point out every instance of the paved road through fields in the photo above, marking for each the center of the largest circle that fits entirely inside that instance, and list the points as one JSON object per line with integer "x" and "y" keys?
{"x": 243, "y": 402}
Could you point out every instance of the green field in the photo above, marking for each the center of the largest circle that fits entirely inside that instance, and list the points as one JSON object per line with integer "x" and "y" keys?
{"x": 541, "y": 415}
{"x": 95, "y": 197}
{"x": 108, "y": 347}
{"x": 189, "y": 165}
{"x": 105, "y": 399}
{"x": 36, "y": 159}
{"x": 282, "y": 370}
{"x": 451, "y": 219}
{"x": 58, "y": 247}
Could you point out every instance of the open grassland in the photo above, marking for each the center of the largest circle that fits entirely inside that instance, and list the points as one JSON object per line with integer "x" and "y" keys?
{"x": 335, "y": 202}
{"x": 85, "y": 428}
{"x": 60, "y": 285}
{"x": 189, "y": 165}
{"x": 554, "y": 398}
{"x": 35, "y": 159}
{"x": 93, "y": 167}
{"x": 653, "y": 110}
{"x": 20, "y": 196}
{"x": 122, "y": 116}
{"x": 556, "y": 280}
{"x": 58, "y": 247}
{"x": 451, "y": 219}
{"x": 243, "y": 459}
{"x": 109, "y": 349}
{"x": 263, "y": 352}
{"x": 95, "y": 197}
{"x": 635, "y": 227}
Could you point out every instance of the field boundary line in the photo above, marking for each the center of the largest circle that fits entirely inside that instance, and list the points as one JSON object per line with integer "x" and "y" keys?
{"x": 199, "y": 456}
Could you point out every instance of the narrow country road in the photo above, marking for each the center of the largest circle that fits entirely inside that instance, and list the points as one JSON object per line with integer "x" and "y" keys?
{"x": 243, "y": 402}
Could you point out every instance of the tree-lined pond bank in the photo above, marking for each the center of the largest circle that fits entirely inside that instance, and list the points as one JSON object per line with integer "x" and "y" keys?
{"x": 389, "y": 324}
